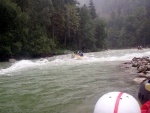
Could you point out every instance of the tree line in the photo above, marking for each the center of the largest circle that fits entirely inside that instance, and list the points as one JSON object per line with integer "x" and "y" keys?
{"x": 128, "y": 25}
{"x": 38, "y": 28}
{"x": 35, "y": 28}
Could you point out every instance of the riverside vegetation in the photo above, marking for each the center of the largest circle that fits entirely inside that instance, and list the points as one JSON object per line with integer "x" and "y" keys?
{"x": 38, "y": 28}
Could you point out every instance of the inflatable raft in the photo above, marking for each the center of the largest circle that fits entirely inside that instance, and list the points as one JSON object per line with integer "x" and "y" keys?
{"x": 77, "y": 56}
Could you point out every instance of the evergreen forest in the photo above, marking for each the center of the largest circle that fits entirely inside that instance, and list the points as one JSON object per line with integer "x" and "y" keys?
{"x": 39, "y": 28}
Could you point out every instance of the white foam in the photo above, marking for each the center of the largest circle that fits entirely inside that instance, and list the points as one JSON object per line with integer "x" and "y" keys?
{"x": 125, "y": 57}
{"x": 68, "y": 60}
{"x": 91, "y": 57}
{"x": 23, "y": 64}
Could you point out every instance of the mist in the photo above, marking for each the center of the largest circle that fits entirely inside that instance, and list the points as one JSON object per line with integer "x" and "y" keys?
{"x": 105, "y": 8}
{"x": 100, "y": 6}
{"x": 82, "y": 2}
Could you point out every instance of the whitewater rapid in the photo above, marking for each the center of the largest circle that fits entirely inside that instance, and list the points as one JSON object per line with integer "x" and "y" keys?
{"x": 105, "y": 56}
{"x": 62, "y": 84}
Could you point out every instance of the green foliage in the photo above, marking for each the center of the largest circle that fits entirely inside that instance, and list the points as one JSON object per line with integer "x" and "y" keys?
{"x": 130, "y": 29}
{"x": 72, "y": 24}
{"x": 13, "y": 26}
{"x": 44, "y": 27}
{"x": 40, "y": 43}
{"x": 22, "y": 3}
{"x": 100, "y": 34}
{"x": 86, "y": 40}
{"x": 92, "y": 9}
{"x": 40, "y": 12}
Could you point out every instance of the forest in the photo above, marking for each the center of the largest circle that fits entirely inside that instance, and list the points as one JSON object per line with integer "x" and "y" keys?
{"x": 40, "y": 28}
{"x": 128, "y": 22}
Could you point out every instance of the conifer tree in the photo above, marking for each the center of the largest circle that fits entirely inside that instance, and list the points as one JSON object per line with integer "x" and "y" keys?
{"x": 92, "y": 9}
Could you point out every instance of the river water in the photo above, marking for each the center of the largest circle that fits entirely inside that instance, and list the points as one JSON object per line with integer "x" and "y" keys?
{"x": 62, "y": 84}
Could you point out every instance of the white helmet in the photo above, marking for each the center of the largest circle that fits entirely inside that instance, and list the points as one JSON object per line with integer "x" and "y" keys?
{"x": 117, "y": 102}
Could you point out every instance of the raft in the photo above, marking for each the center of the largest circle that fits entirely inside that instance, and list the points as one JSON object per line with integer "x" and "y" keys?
{"x": 77, "y": 56}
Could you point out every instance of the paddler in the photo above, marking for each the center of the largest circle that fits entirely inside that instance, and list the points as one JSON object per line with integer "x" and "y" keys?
{"x": 80, "y": 53}
{"x": 144, "y": 96}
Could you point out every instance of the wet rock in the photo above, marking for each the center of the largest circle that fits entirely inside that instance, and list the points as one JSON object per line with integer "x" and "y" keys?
{"x": 148, "y": 76}
{"x": 147, "y": 72}
{"x": 139, "y": 80}
{"x": 146, "y": 58}
{"x": 142, "y": 65}
{"x": 134, "y": 64}
{"x": 142, "y": 68}
{"x": 138, "y": 67}
{"x": 142, "y": 75}
{"x": 144, "y": 62}
{"x": 148, "y": 67}
{"x": 135, "y": 59}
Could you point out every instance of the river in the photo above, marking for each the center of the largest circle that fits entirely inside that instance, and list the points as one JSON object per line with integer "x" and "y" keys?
{"x": 62, "y": 84}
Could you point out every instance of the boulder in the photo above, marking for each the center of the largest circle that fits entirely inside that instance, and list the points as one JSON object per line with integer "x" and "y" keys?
{"x": 142, "y": 69}
{"x": 148, "y": 67}
{"x": 142, "y": 75}
{"x": 148, "y": 75}
{"x": 134, "y": 64}
{"x": 139, "y": 80}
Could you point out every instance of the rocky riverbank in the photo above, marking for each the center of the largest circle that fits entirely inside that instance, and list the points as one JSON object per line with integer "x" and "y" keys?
{"x": 138, "y": 68}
